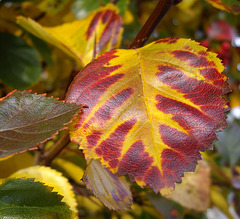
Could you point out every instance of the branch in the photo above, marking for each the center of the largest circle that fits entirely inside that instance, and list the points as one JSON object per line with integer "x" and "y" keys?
{"x": 158, "y": 13}
{"x": 114, "y": 2}
{"x": 55, "y": 150}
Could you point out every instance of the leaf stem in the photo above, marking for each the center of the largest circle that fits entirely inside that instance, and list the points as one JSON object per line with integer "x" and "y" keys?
{"x": 55, "y": 150}
{"x": 158, "y": 13}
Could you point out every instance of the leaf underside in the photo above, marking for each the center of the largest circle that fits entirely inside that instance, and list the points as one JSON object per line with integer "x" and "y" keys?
{"x": 27, "y": 119}
{"x": 113, "y": 191}
{"x": 151, "y": 110}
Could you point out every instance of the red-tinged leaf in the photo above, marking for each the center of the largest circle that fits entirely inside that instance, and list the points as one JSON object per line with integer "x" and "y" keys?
{"x": 221, "y": 30}
{"x": 151, "y": 110}
{"x": 232, "y": 6}
{"x": 83, "y": 39}
{"x": 114, "y": 192}
{"x": 27, "y": 119}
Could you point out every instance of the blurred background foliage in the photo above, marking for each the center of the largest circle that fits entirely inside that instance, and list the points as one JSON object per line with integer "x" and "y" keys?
{"x": 27, "y": 62}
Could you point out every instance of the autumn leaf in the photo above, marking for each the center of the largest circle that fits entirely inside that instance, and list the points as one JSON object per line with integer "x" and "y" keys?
{"x": 232, "y": 6}
{"x": 150, "y": 110}
{"x": 101, "y": 29}
{"x": 113, "y": 191}
{"x": 27, "y": 119}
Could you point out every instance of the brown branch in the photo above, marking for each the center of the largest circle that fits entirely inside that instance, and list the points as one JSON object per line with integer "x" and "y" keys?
{"x": 114, "y": 2}
{"x": 158, "y": 13}
{"x": 55, "y": 150}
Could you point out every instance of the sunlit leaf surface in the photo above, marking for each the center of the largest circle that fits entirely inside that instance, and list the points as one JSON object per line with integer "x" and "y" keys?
{"x": 51, "y": 178}
{"x": 151, "y": 110}
{"x": 102, "y": 27}
{"x": 113, "y": 191}
{"x": 27, "y": 119}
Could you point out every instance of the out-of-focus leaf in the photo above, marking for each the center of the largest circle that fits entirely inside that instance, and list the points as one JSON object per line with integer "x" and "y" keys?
{"x": 146, "y": 215}
{"x": 236, "y": 177}
{"x": 13, "y": 163}
{"x": 24, "y": 198}
{"x": 150, "y": 110}
{"x": 27, "y": 119}
{"x": 168, "y": 208}
{"x": 52, "y": 6}
{"x": 122, "y": 5}
{"x": 112, "y": 191}
{"x": 51, "y": 178}
{"x": 69, "y": 168}
{"x": 102, "y": 27}
{"x": 229, "y": 144}
{"x": 194, "y": 191}
{"x": 221, "y": 30}
{"x": 43, "y": 49}
{"x": 19, "y": 63}
{"x": 232, "y": 6}
{"x": 81, "y": 8}
{"x": 220, "y": 201}
{"x": 15, "y": 1}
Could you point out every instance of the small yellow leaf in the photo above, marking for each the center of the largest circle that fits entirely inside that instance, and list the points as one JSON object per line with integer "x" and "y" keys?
{"x": 112, "y": 190}
{"x": 53, "y": 179}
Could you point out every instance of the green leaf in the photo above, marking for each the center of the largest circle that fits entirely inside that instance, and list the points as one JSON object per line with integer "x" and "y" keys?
{"x": 122, "y": 5}
{"x": 81, "y": 8}
{"x": 19, "y": 63}
{"x": 24, "y": 198}
{"x": 229, "y": 144}
{"x": 42, "y": 48}
{"x": 146, "y": 215}
{"x": 168, "y": 208}
{"x": 27, "y": 119}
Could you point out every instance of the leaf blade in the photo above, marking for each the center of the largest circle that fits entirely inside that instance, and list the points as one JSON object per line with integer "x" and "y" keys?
{"x": 111, "y": 190}
{"x": 17, "y": 70}
{"x": 103, "y": 27}
{"x": 150, "y": 117}
{"x": 27, "y": 119}
{"x": 25, "y": 198}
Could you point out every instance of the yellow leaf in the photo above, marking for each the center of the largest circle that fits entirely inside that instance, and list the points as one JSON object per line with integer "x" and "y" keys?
{"x": 102, "y": 27}
{"x": 220, "y": 201}
{"x": 51, "y": 178}
{"x": 13, "y": 163}
{"x": 72, "y": 170}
